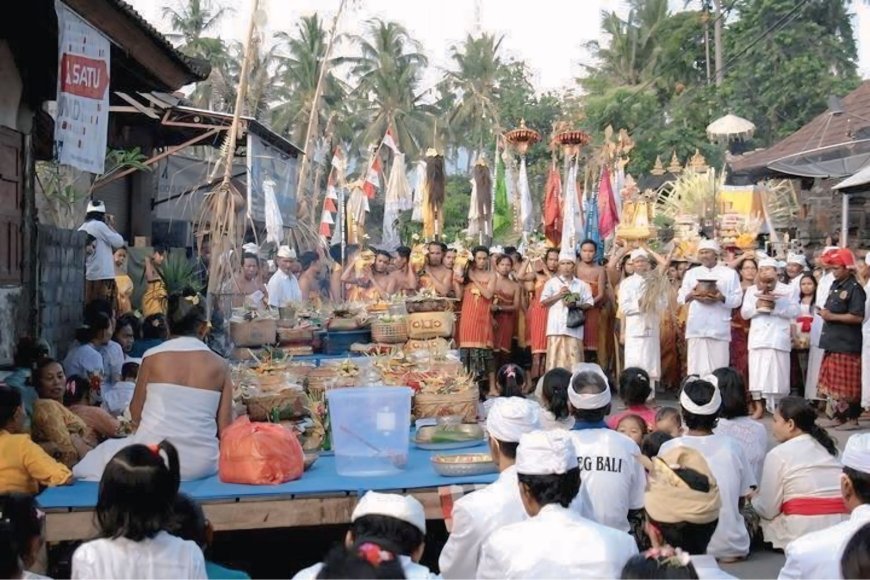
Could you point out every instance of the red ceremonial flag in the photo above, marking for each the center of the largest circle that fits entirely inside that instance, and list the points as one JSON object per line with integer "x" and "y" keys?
{"x": 553, "y": 207}
{"x": 608, "y": 213}
{"x": 329, "y": 205}
{"x": 325, "y": 230}
{"x": 373, "y": 178}
{"x": 391, "y": 141}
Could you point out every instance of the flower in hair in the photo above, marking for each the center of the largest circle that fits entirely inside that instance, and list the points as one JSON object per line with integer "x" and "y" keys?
{"x": 674, "y": 557}
{"x": 373, "y": 554}
{"x": 193, "y": 299}
{"x": 71, "y": 386}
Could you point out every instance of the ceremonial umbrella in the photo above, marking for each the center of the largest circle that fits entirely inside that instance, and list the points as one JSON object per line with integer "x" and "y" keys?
{"x": 730, "y": 128}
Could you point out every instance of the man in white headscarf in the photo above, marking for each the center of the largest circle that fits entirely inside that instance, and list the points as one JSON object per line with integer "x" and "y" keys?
{"x": 769, "y": 334}
{"x": 795, "y": 268}
{"x": 283, "y": 286}
{"x": 564, "y": 339}
{"x": 554, "y": 542}
{"x": 699, "y": 405}
{"x": 612, "y": 481}
{"x": 477, "y": 515}
{"x": 817, "y": 555}
{"x": 712, "y": 291}
{"x": 642, "y": 336}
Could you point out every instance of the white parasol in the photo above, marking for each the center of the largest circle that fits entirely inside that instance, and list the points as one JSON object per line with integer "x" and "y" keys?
{"x": 730, "y": 128}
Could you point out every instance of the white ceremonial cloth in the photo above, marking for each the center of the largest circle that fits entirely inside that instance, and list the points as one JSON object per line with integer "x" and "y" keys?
{"x": 163, "y": 556}
{"x": 283, "y": 288}
{"x": 798, "y": 468}
{"x": 475, "y": 517}
{"x": 101, "y": 264}
{"x": 708, "y": 568}
{"x": 557, "y": 316}
{"x": 186, "y": 416}
{"x": 612, "y": 481}
{"x": 711, "y": 320}
{"x": 814, "y": 361}
{"x": 642, "y": 339}
{"x": 412, "y": 570}
{"x": 817, "y": 555}
{"x": 735, "y": 478}
{"x": 769, "y": 375}
{"x": 556, "y": 543}
{"x": 705, "y": 355}
{"x": 770, "y": 330}
{"x": 865, "y": 352}
{"x": 752, "y": 437}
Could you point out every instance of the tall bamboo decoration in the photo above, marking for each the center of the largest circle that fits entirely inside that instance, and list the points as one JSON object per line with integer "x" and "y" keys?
{"x": 222, "y": 206}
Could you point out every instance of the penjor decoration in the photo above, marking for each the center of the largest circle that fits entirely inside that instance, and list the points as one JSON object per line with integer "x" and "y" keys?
{"x": 572, "y": 210}
{"x": 480, "y": 210}
{"x": 433, "y": 195}
{"x": 521, "y": 139}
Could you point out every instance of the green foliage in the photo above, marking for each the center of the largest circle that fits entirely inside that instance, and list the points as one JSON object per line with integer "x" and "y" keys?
{"x": 178, "y": 273}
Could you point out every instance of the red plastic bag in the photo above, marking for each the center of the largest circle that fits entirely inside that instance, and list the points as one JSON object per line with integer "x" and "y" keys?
{"x": 259, "y": 454}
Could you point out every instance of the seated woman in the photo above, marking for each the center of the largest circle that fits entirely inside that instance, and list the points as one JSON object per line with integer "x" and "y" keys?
{"x": 24, "y": 465}
{"x": 155, "y": 332}
{"x": 58, "y": 430}
{"x": 800, "y": 487}
{"x": 555, "y": 413}
{"x": 183, "y": 394}
{"x": 101, "y": 424}
{"x": 85, "y": 359}
{"x": 635, "y": 389}
{"x": 734, "y": 419}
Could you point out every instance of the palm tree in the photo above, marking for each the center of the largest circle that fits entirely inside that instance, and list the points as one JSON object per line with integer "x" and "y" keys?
{"x": 299, "y": 59}
{"x": 475, "y": 113}
{"x": 388, "y": 74}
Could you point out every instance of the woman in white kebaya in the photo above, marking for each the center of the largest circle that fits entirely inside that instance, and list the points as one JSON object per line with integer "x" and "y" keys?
{"x": 800, "y": 488}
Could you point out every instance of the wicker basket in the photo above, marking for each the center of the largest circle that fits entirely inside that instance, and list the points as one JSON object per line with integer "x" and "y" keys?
{"x": 425, "y": 325}
{"x": 254, "y": 332}
{"x": 394, "y": 332}
{"x": 429, "y": 305}
{"x": 286, "y": 403}
{"x": 463, "y": 404}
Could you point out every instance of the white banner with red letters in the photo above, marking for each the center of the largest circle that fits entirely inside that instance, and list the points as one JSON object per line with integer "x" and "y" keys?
{"x": 82, "y": 122}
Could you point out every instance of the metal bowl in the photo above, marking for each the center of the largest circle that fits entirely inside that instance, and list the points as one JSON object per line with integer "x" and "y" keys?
{"x": 464, "y": 435}
{"x": 464, "y": 465}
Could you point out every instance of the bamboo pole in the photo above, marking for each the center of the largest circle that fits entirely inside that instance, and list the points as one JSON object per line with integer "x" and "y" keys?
{"x": 318, "y": 89}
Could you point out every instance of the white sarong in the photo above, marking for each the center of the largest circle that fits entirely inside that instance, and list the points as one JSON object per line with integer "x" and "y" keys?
{"x": 814, "y": 367}
{"x": 705, "y": 355}
{"x": 769, "y": 374}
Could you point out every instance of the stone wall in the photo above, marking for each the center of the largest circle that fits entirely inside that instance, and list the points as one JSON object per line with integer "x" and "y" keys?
{"x": 61, "y": 285}
{"x": 11, "y": 327}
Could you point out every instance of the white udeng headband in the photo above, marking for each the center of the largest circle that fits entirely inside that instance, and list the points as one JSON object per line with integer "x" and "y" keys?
{"x": 708, "y": 409}
{"x": 589, "y": 400}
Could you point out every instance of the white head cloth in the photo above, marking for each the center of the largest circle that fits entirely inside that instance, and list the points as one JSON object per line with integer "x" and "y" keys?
{"x": 589, "y": 400}
{"x": 402, "y": 507}
{"x": 95, "y": 205}
{"x": 768, "y": 263}
{"x": 638, "y": 254}
{"x": 496, "y": 250}
{"x": 799, "y": 259}
{"x": 510, "y": 417}
{"x": 857, "y": 453}
{"x": 708, "y": 409}
{"x": 567, "y": 255}
{"x": 251, "y": 248}
{"x": 709, "y": 245}
{"x": 287, "y": 252}
{"x": 546, "y": 453}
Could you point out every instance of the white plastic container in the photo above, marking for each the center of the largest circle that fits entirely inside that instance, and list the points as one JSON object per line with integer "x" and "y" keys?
{"x": 370, "y": 429}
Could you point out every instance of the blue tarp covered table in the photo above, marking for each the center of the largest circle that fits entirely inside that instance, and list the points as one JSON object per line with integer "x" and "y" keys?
{"x": 321, "y": 496}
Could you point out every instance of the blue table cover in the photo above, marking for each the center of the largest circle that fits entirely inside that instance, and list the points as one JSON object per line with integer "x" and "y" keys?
{"x": 319, "y": 480}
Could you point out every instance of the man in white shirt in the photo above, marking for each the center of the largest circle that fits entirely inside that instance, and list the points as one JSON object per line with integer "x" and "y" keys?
{"x": 554, "y": 542}
{"x": 769, "y": 335}
{"x": 564, "y": 343}
{"x": 391, "y": 522}
{"x": 682, "y": 507}
{"x": 814, "y": 360}
{"x": 477, "y": 515}
{"x": 100, "y": 263}
{"x": 642, "y": 340}
{"x": 699, "y": 404}
{"x": 712, "y": 291}
{"x": 612, "y": 481}
{"x": 283, "y": 287}
{"x": 817, "y": 555}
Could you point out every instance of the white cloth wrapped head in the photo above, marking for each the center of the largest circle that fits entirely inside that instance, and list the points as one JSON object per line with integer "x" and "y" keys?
{"x": 251, "y": 248}
{"x": 546, "y": 453}
{"x": 511, "y": 417}
{"x": 798, "y": 259}
{"x": 710, "y": 407}
{"x": 709, "y": 245}
{"x": 402, "y": 507}
{"x": 768, "y": 263}
{"x": 566, "y": 255}
{"x": 638, "y": 254}
{"x": 287, "y": 252}
{"x": 857, "y": 453}
{"x": 589, "y": 401}
{"x": 95, "y": 205}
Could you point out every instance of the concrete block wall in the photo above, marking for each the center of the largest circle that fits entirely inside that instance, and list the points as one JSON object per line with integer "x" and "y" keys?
{"x": 61, "y": 285}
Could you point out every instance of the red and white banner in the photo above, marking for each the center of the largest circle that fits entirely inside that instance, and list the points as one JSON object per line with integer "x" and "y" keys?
{"x": 391, "y": 141}
{"x": 82, "y": 121}
{"x": 373, "y": 178}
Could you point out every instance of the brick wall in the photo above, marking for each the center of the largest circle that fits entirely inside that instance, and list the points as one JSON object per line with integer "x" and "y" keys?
{"x": 61, "y": 285}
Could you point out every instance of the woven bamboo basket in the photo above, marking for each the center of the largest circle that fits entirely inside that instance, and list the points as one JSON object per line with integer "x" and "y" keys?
{"x": 463, "y": 404}
{"x": 430, "y": 305}
{"x": 287, "y": 403}
{"x": 425, "y": 325}
{"x": 394, "y": 332}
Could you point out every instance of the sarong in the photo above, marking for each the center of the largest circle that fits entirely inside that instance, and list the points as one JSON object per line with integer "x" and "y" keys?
{"x": 769, "y": 374}
{"x": 814, "y": 367}
{"x": 475, "y": 334}
{"x": 536, "y": 318}
{"x": 505, "y": 325}
{"x": 706, "y": 355}
{"x": 154, "y": 300}
{"x": 668, "y": 336}
{"x": 740, "y": 345}
{"x": 840, "y": 377}
{"x": 563, "y": 352}
{"x": 105, "y": 289}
